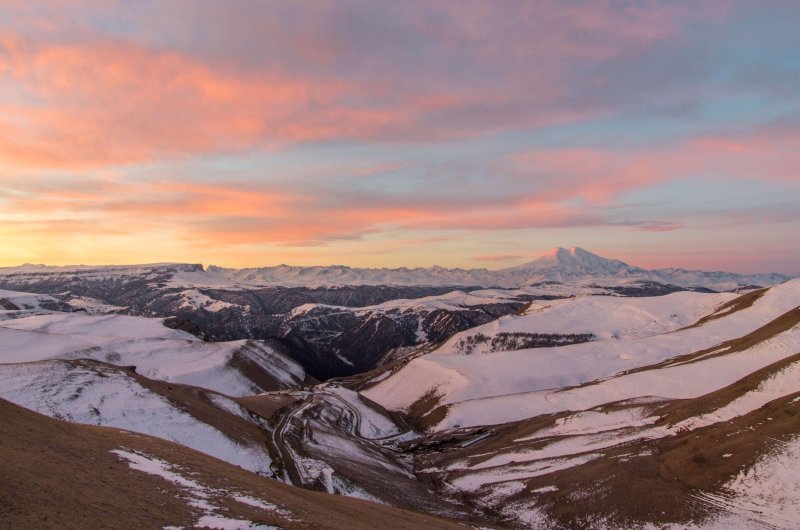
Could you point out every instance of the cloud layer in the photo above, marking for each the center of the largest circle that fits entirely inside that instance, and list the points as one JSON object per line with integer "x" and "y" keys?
{"x": 310, "y": 130}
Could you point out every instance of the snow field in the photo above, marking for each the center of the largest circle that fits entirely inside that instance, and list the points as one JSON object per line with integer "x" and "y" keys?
{"x": 506, "y": 386}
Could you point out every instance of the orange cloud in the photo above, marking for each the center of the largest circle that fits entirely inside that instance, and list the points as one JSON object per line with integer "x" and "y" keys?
{"x": 165, "y": 199}
{"x": 246, "y": 213}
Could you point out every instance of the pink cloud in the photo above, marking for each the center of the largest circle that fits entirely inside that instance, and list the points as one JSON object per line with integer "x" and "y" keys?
{"x": 108, "y": 102}
{"x": 246, "y": 213}
{"x": 84, "y": 98}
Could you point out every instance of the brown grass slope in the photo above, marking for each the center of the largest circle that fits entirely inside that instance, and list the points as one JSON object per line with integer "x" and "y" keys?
{"x": 643, "y": 481}
{"x": 647, "y": 481}
{"x": 661, "y": 484}
{"x": 55, "y": 474}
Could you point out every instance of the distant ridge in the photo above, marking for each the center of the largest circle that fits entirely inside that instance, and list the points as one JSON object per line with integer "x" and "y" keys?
{"x": 559, "y": 264}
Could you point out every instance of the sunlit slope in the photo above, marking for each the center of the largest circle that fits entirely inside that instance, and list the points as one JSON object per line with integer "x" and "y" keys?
{"x": 492, "y": 388}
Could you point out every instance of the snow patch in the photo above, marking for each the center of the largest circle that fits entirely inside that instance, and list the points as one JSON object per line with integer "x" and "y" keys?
{"x": 218, "y": 522}
{"x": 197, "y": 495}
{"x": 194, "y": 299}
{"x": 764, "y": 495}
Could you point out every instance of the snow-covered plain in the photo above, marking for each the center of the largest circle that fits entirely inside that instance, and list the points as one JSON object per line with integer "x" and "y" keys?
{"x": 452, "y": 301}
{"x": 92, "y": 306}
{"x": 119, "y": 326}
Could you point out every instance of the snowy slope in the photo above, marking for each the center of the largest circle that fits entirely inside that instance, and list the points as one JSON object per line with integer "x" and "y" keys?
{"x": 763, "y": 496}
{"x": 60, "y": 475}
{"x": 16, "y": 301}
{"x": 706, "y": 439}
{"x": 117, "y": 326}
{"x": 604, "y": 317}
{"x": 735, "y": 456}
{"x": 96, "y": 395}
{"x": 675, "y": 382}
{"x": 495, "y": 388}
{"x": 157, "y": 351}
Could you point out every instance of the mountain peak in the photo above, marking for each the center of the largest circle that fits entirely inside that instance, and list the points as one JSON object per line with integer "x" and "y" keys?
{"x": 561, "y": 253}
{"x": 561, "y": 264}
{"x": 556, "y": 252}
{"x": 578, "y": 251}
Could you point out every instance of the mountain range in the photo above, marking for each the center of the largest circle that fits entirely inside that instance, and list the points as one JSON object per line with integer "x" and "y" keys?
{"x": 571, "y": 392}
{"x": 559, "y": 264}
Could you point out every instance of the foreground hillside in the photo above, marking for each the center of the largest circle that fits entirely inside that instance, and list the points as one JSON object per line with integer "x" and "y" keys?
{"x": 60, "y": 475}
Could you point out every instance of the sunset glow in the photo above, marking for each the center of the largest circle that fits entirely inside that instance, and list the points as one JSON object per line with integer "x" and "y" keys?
{"x": 468, "y": 134}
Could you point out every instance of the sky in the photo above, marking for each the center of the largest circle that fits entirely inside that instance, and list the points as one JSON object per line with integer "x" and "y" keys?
{"x": 381, "y": 133}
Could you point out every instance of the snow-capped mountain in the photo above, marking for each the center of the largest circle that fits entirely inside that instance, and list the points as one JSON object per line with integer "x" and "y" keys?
{"x": 563, "y": 265}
